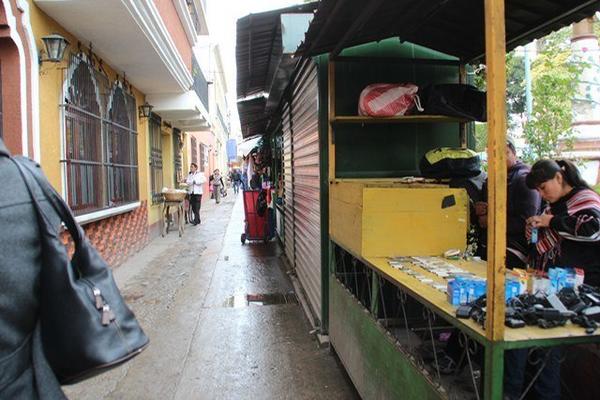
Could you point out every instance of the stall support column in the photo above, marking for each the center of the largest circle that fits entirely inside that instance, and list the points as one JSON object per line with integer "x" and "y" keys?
{"x": 495, "y": 49}
{"x": 494, "y": 371}
{"x": 374, "y": 294}
{"x": 331, "y": 109}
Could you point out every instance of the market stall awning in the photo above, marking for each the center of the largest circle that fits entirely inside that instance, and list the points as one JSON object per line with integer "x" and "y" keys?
{"x": 253, "y": 119}
{"x": 454, "y": 27}
{"x": 266, "y": 43}
{"x": 258, "y": 48}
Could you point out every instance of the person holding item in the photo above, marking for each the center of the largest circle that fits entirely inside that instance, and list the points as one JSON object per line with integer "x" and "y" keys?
{"x": 217, "y": 184}
{"x": 568, "y": 235}
{"x": 522, "y": 202}
{"x": 195, "y": 180}
{"x": 569, "y": 227}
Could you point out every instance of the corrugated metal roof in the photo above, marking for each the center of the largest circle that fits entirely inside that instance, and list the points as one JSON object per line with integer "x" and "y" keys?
{"x": 258, "y": 53}
{"x": 258, "y": 48}
{"x": 454, "y": 27}
{"x": 252, "y": 116}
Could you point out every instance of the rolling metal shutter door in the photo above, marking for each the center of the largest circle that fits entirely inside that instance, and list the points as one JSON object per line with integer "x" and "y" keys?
{"x": 288, "y": 187}
{"x": 306, "y": 185}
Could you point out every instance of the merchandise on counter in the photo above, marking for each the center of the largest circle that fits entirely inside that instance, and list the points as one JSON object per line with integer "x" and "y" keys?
{"x": 461, "y": 291}
{"x": 581, "y": 308}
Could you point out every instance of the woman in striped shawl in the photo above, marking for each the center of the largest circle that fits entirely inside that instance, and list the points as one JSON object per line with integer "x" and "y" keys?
{"x": 569, "y": 227}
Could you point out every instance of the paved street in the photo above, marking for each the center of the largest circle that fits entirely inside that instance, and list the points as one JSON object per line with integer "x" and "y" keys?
{"x": 207, "y": 340}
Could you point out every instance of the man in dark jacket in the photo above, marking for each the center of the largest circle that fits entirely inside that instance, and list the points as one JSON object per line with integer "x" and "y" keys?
{"x": 24, "y": 372}
{"x": 521, "y": 203}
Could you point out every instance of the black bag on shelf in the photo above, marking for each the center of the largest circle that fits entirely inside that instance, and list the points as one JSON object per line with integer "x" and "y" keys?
{"x": 450, "y": 162}
{"x": 454, "y": 100}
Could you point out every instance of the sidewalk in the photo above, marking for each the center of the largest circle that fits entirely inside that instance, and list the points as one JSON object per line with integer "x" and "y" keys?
{"x": 207, "y": 340}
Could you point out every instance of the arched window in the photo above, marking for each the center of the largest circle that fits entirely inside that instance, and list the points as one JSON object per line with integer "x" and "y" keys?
{"x": 121, "y": 145}
{"x": 83, "y": 139}
{"x": 100, "y": 140}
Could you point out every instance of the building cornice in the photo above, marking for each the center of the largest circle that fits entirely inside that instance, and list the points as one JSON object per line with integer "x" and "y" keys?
{"x": 148, "y": 18}
{"x": 186, "y": 21}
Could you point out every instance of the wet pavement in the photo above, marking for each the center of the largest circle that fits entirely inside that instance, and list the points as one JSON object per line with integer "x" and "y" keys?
{"x": 223, "y": 321}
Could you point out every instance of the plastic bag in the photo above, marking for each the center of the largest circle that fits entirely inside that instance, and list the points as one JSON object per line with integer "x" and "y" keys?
{"x": 388, "y": 99}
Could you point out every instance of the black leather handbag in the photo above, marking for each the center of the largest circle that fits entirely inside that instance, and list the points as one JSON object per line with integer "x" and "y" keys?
{"x": 86, "y": 327}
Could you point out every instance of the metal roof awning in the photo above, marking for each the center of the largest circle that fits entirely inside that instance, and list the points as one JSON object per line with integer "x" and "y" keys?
{"x": 258, "y": 46}
{"x": 453, "y": 27}
{"x": 253, "y": 119}
{"x": 265, "y": 61}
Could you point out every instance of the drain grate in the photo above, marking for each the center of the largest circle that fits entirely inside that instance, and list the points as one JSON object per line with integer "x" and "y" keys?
{"x": 260, "y": 299}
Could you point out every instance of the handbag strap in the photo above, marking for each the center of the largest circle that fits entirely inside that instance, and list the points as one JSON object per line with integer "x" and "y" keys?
{"x": 66, "y": 216}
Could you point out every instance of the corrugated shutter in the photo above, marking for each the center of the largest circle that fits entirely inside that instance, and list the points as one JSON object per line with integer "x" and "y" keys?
{"x": 306, "y": 185}
{"x": 288, "y": 187}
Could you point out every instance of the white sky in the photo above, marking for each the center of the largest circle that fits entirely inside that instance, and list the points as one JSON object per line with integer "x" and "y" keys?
{"x": 222, "y": 17}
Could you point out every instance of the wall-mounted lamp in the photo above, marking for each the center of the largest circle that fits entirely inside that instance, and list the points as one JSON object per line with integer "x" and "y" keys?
{"x": 145, "y": 110}
{"x": 55, "y": 48}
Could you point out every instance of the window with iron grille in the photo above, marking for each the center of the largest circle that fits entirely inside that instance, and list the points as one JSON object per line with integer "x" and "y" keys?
{"x": 203, "y": 160}
{"x": 177, "y": 161}
{"x": 100, "y": 140}
{"x": 194, "y": 149}
{"x": 121, "y": 146}
{"x": 156, "y": 167}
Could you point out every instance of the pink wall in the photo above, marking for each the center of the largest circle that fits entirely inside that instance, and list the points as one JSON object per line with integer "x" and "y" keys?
{"x": 11, "y": 78}
{"x": 208, "y": 139}
{"x": 169, "y": 15}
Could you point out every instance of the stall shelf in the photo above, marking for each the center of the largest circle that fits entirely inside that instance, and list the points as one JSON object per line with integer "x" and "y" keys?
{"x": 404, "y": 119}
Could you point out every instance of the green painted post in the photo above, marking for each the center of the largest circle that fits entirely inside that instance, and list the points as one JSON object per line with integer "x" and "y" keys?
{"x": 374, "y": 294}
{"x": 323, "y": 115}
{"x": 494, "y": 371}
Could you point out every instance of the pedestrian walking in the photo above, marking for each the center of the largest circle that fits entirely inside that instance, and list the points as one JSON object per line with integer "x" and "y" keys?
{"x": 195, "y": 180}
{"x": 217, "y": 184}
{"x": 237, "y": 181}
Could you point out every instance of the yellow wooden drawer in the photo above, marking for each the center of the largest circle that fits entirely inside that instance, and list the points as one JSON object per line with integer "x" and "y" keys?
{"x": 382, "y": 218}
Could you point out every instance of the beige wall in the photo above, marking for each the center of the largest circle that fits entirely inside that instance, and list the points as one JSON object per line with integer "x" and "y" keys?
{"x": 52, "y": 77}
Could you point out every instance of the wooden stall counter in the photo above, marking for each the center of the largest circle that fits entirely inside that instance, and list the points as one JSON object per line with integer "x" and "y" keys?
{"x": 437, "y": 301}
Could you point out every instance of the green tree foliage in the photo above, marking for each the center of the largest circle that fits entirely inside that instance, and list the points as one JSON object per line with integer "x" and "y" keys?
{"x": 555, "y": 76}
{"x": 515, "y": 94}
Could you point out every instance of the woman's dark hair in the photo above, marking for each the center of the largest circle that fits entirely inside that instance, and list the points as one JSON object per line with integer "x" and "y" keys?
{"x": 544, "y": 170}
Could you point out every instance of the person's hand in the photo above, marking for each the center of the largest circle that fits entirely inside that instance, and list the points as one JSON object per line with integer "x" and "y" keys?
{"x": 540, "y": 221}
{"x": 481, "y": 208}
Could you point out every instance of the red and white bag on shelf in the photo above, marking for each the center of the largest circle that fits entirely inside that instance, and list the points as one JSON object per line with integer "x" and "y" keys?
{"x": 388, "y": 99}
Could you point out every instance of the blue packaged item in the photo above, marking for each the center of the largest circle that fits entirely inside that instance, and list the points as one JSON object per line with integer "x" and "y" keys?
{"x": 480, "y": 288}
{"x": 558, "y": 279}
{"x": 453, "y": 292}
{"x": 458, "y": 291}
{"x": 534, "y": 236}
{"x": 470, "y": 286}
{"x": 570, "y": 278}
{"x": 512, "y": 288}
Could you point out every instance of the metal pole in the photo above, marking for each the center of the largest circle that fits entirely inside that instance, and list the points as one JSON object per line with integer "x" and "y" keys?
{"x": 528, "y": 96}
